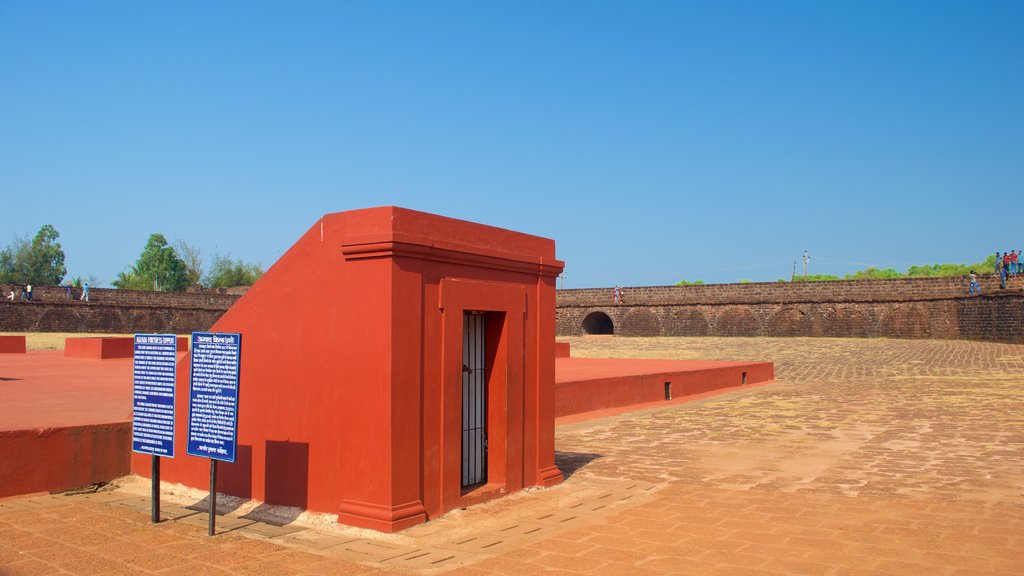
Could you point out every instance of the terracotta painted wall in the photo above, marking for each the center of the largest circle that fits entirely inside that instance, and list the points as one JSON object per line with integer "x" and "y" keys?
{"x": 351, "y": 366}
{"x": 75, "y": 457}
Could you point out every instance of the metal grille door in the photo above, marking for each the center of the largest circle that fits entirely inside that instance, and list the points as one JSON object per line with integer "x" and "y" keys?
{"x": 474, "y": 401}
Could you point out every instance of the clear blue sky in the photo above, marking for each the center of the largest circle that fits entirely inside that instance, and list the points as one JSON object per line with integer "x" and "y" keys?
{"x": 654, "y": 141}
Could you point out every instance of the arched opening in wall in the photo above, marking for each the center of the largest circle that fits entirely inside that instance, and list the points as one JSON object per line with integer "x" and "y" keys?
{"x": 598, "y": 323}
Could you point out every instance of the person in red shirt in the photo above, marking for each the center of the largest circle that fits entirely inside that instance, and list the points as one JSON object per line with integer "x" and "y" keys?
{"x": 1013, "y": 262}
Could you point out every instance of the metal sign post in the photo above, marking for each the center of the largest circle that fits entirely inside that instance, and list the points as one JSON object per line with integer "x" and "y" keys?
{"x": 213, "y": 403}
{"x": 211, "y": 525}
{"x": 154, "y": 490}
{"x": 155, "y": 358}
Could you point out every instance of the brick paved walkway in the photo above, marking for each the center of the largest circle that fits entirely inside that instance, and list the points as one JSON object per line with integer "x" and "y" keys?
{"x": 867, "y": 457}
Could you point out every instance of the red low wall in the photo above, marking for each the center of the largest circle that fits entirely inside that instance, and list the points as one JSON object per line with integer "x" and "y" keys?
{"x": 47, "y": 457}
{"x": 618, "y": 388}
{"x": 59, "y": 459}
{"x": 561, "y": 349}
{"x": 107, "y": 348}
{"x": 12, "y": 344}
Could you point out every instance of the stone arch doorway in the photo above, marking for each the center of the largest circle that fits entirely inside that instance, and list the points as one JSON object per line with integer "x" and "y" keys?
{"x": 598, "y": 323}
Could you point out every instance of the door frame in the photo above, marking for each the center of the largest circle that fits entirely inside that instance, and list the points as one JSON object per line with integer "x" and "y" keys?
{"x": 505, "y": 384}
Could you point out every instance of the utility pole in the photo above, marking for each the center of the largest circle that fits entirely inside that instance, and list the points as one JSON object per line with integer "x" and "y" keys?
{"x": 806, "y": 259}
{"x": 792, "y": 277}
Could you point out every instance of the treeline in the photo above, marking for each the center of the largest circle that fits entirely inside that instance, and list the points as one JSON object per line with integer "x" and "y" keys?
{"x": 923, "y": 271}
{"x": 160, "y": 266}
{"x": 871, "y": 273}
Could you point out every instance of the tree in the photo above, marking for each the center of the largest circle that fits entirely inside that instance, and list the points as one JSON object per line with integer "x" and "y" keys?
{"x": 130, "y": 280}
{"x": 225, "y": 273}
{"x": 872, "y": 273}
{"x": 192, "y": 257}
{"x": 79, "y": 281}
{"x": 8, "y": 259}
{"x": 158, "y": 268}
{"x": 40, "y": 261}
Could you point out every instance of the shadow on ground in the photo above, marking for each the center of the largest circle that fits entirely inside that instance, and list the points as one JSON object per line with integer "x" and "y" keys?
{"x": 570, "y": 462}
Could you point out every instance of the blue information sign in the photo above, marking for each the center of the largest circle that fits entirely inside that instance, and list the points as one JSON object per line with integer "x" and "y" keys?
{"x": 213, "y": 395}
{"x": 153, "y": 394}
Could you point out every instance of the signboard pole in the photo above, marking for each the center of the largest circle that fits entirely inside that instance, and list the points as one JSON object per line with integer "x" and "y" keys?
{"x": 211, "y": 528}
{"x": 155, "y": 489}
{"x": 213, "y": 404}
{"x": 154, "y": 368}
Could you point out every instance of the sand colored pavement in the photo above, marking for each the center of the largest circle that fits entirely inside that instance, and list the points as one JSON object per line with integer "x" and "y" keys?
{"x": 867, "y": 456}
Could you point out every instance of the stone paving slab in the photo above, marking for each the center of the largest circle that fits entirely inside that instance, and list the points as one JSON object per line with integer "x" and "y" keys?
{"x": 868, "y": 457}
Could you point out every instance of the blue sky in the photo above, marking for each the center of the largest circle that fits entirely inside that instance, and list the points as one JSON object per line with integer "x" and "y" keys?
{"x": 654, "y": 141}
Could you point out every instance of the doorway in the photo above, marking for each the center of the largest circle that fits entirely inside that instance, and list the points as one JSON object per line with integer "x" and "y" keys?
{"x": 474, "y": 400}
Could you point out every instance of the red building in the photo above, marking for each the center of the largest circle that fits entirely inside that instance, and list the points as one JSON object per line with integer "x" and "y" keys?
{"x": 395, "y": 365}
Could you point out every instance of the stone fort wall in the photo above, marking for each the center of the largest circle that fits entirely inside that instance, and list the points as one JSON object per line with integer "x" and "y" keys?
{"x": 903, "y": 308}
{"x": 112, "y": 311}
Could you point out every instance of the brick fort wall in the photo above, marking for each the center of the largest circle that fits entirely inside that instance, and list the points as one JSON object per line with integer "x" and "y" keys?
{"x": 112, "y": 311}
{"x": 902, "y": 308}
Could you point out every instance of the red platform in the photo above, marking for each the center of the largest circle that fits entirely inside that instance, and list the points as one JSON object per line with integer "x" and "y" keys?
{"x": 12, "y": 344}
{"x": 106, "y": 348}
{"x": 66, "y": 422}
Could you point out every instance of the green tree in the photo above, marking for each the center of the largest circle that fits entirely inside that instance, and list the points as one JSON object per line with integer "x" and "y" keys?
{"x": 872, "y": 273}
{"x": 158, "y": 268}
{"x": 39, "y": 261}
{"x": 940, "y": 270}
{"x": 130, "y": 280}
{"x": 226, "y": 272}
{"x": 816, "y": 278}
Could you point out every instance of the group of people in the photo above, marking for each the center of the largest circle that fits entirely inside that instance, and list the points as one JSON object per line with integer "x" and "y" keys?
{"x": 1007, "y": 265}
{"x": 26, "y": 292}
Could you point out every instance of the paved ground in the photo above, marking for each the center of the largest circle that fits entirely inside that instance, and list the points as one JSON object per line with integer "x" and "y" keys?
{"x": 867, "y": 457}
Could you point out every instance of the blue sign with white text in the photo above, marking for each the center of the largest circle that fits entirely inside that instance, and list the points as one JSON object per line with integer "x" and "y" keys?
{"x": 213, "y": 395}
{"x": 153, "y": 394}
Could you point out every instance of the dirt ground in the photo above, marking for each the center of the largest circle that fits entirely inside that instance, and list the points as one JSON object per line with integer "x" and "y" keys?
{"x": 908, "y": 418}
{"x": 53, "y": 340}
{"x": 866, "y": 457}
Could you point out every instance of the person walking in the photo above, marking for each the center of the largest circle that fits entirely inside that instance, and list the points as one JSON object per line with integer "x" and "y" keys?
{"x": 67, "y": 291}
{"x": 85, "y": 292}
{"x": 975, "y": 287}
{"x": 28, "y": 292}
{"x": 1000, "y": 271}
